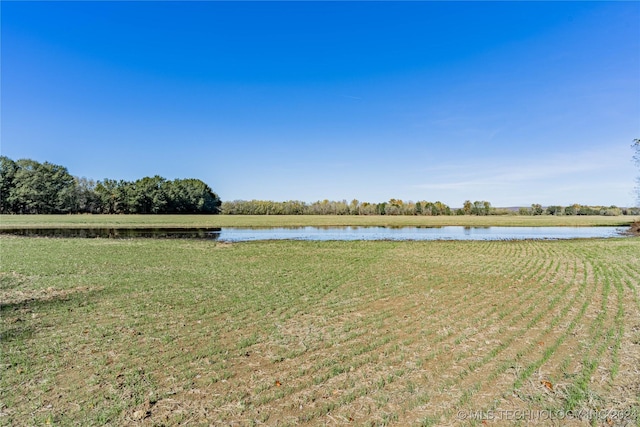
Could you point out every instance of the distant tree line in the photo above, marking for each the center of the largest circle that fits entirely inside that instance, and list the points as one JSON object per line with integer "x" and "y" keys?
{"x": 327, "y": 207}
{"x": 577, "y": 209}
{"x": 399, "y": 207}
{"x": 30, "y": 187}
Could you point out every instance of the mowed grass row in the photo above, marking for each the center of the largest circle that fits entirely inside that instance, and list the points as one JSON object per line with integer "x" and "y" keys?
{"x": 186, "y": 221}
{"x": 160, "y": 332}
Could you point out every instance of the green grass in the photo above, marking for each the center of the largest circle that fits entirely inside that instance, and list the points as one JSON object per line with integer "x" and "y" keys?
{"x": 164, "y": 332}
{"x": 34, "y": 221}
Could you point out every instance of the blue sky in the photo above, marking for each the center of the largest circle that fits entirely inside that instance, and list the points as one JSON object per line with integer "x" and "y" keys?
{"x": 510, "y": 102}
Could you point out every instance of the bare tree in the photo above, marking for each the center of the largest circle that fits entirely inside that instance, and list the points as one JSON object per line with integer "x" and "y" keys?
{"x": 636, "y": 158}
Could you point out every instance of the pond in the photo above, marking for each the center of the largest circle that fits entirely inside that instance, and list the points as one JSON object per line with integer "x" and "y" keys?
{"x": 237, "y": 234}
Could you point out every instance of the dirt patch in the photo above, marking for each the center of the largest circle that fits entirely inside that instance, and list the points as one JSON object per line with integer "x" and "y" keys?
{"x": 19, "y": 297}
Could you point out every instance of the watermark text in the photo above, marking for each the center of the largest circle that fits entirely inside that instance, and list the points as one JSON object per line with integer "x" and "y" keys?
{"x": 541, "y": 415}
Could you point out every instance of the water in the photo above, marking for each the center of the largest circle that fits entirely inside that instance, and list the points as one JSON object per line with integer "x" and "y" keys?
{"x": 416, "y": 233}
{"x": 236, "y": 234}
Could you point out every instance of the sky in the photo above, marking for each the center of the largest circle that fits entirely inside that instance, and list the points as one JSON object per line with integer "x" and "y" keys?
{"x": 511, "y": 102}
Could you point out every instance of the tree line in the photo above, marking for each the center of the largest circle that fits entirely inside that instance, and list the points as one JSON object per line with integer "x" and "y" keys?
{"x": 578, "y": 209}
{"x": 399, "y": 207}
{"x": 328, "y": 207}
{"x": 355, "y": 207}
{"x": 30, "y": 187}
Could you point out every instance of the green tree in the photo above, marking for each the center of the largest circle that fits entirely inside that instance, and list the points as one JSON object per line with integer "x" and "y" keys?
{"x": 481, "y": 208}
{"x": 524, "y": 211}
{"x": 441, "y": 208}
{"x": 86, "y": 198}
{"x": 572, "y": 210}
{"x": 8, "y": 170}
{"x": 354, "y": 207}
{"x": 418, "y": 208}
{"x": 554, "y": 210}
{"x": 487, "y": 207}
{"x": 149, "y": 195}
{"x": 194, "y": 196}
{"x": 587, "y": 210}
{"x": 30, "y": 187}
{"x": 536, "y": 209}
{"x": 42, "y": 188}
{"x": 111, "y": 196}
{"x": 467, "y": 207}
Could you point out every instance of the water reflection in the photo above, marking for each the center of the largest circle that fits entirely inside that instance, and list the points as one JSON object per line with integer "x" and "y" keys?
{"x": 323, "y": 233}
{"x": 118, "y": 233}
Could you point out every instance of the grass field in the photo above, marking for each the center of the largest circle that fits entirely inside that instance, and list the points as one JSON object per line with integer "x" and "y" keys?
{"x": 34, "y": 221}
{"x": 167, "y": 332}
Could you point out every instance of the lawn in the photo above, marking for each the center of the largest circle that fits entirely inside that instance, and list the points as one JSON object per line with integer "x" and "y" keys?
{"x": 168, "y": 332}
